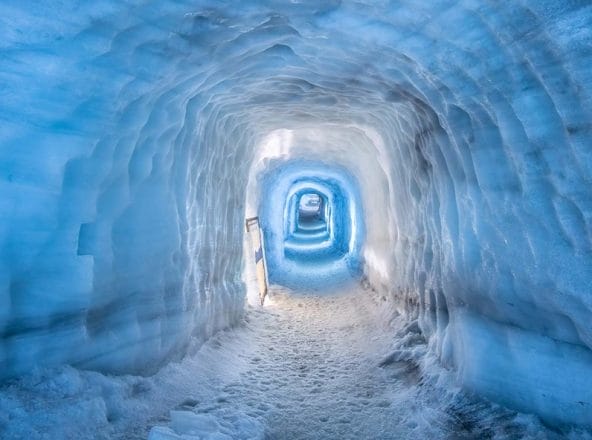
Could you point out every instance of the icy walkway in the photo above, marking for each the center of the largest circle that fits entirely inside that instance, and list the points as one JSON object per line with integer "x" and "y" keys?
{"x": 302, "y": 367}
{"x": 323, "y": 368}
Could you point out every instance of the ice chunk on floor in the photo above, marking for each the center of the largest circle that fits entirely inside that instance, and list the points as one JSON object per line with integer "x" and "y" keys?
{"x": 187, "y": 425}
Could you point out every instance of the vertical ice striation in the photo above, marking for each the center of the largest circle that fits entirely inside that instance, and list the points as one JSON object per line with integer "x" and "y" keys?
{"x": 137, "y": 135}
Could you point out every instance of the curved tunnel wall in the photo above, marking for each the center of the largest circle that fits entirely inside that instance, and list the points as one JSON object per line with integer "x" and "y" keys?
{"x": 130, "y": 131}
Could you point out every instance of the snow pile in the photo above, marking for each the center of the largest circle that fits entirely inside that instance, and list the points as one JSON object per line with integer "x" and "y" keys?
{"x": 65, "y": 402}
{"x": 135, "y": 134}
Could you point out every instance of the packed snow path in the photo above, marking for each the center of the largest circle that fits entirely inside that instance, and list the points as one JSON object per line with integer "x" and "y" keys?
{"x": 328, "y": 367}
{"x": 314, "y": 370}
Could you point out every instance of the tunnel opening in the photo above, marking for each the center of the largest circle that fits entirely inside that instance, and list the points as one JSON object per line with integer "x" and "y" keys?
{"x": 311, "y": 212}
{"x": 312, "y": 221}
{"x": 308, "y": 215}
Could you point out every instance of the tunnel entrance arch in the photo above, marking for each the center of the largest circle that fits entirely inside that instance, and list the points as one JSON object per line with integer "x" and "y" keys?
{"x": 311, "y": 209}
{"x": 312, "y": 221}
{"x": 308, "y": 210}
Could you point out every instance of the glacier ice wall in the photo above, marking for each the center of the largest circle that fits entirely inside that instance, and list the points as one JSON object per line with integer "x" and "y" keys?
{"x": 134, "y": 136}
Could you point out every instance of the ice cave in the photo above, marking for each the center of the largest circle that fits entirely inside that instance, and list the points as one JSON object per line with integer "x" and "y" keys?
{"x": 295, "y": 219}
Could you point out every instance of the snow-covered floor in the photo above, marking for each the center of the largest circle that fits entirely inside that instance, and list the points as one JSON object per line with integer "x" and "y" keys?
{"x": 302, "y": 367}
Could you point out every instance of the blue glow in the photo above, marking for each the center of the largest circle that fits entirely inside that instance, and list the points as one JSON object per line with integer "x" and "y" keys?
{"x": 315, "y": 252}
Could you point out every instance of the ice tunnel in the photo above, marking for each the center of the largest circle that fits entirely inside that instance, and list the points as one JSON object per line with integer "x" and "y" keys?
{"x": 307, "y": 248}
{"x": 440, "y": 152}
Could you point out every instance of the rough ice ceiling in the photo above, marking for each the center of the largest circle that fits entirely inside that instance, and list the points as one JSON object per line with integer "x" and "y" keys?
{"x": 136, "y": 136}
